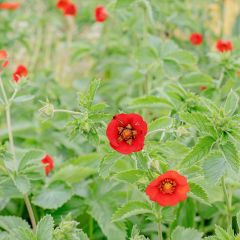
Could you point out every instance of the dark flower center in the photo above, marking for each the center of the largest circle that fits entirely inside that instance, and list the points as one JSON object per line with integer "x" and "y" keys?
{"x": 167, "y": 186}
{"x": 126, "y": 134}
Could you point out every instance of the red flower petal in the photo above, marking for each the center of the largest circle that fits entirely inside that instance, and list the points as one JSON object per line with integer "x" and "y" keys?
{"x": 3, "y": 55}
{"x": 196, "y": 38}
{"x": 224, "y": 46}
{"x": 101, "y": 14}
{"x": 70, "y": 10}
{"x": 49, "y": 163}
{"x": 61, "y": 4}
{"x": 20, "y": 72}
{"x": 137, "y": 130}
{"x": 9, "y": 5}
{"x": 168, "y": 189}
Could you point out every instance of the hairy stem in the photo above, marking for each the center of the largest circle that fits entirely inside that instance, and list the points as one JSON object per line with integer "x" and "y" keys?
{"x": 30, "y": 212}
{"x": 158, "y": 211}
{"x": 12, "y": 147}
{"x": 228, "y": 201}
{"x": 67, "y": 111}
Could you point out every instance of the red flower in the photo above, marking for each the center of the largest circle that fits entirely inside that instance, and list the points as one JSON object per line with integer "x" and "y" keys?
{"x": 126, "y": 133}
{"x": 168, "y": 189}
{"x": 48, "y": 163}
{"x": 9, "y": 5}
{"x": 70, "y": 10}
{"x": 196, "y": 38}
{"x": 20, "y": 72}
{"x": 3, "y": 58}
{"x": 101, "y": 14}
{"x": 61, "y": 4}
{"x": 202, "y": 88}
{"x": 224, "y": 46}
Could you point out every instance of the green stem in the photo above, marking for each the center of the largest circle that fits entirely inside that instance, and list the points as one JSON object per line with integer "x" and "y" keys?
{"x": 12, "y": 147}
{"x": 159, "y": 222}
{"x": 30, "y": 212}
{"x": 228, "y": 201}
{"x": 90, "y": 228}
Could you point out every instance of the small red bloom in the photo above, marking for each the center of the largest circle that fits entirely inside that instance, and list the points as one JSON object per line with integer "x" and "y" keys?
{"x": 48, "y": 163}
{"x": 196, "y": 38}
{"x": 101, "y": 14}
{"x": 61, "y": 4}
{"x": 70, "y": 9}
{"x": 3, "y": 58}
{"x": 20, "y": 72}
{"x": 224, "y": 46}
{"x": 126, "y": 133}
{"x": 168, "y": 189}
{"x": 9, "y": 5}
{"x": 202, "y": 88}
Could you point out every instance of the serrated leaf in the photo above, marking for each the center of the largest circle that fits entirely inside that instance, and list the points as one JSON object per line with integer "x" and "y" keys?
{"x": 30, "y": 157}
{"x": 107, "y": 163}
{"x": 231, "y": 103}
{"x": 200, "y": 121}
{"x": 23, "y": 184}
{"x": 199, "y": 151}
{"x": 181, "y": 233}
{"x": 222, "y": 234}
{"x": 53, "y": 196}
{"x": 8, "y": 223}
{"x": 199, "y": 192}
{"x": 22, "y": 234}
{"x": 45, "y": 228}
{"x": 130, "y": 176}
{"x": 162, "y": 122}
{"x": 131, "y": 209}
{"x": 168, "y": 214}
{"x": 230, "y": 154}
{"x": 214, "y": 167}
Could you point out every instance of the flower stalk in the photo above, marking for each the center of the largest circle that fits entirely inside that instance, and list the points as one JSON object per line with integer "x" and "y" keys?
{"x": 12, "y": 147}
{"x": 228, "y": 201}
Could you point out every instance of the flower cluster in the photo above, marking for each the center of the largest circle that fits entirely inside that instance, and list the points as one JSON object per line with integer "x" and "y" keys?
{"x": 221, "y": 45}
{"x": 20, "y": 72}
{"x": 126, "y": 134}
{"x": 67, "y": 7}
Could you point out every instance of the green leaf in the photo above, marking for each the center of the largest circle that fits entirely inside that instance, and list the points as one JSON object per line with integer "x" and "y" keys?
{"x": 8, "y": 223}
{"x": 162, "y": 122}
{"x": 30, "y": 157}
{"x": 183, "y": 57}
{"x": 199, "y": 151}
{"x": 131, "y": 209}
{"x": 72, "y": 173}
{"x": 130, "y": 176}
{"x": 199, "y": 192}
{"x": 200, "y": 121}
{"x": 107, "y": 163}
{"x": 230, "y": 154}
{"x": 171, "y": 68}
{"x": 23, "y": 184}
{"x": 231, "y": 103}
{"x": 214, "y": 167}
{"x": 149, "y": 102}
{"x": 181, "y": 233}
{"x": 22, "y": 234}
{"x": 196, "y": 79}
{"x": 53, "y": 196}
{"x": 94, "y": 85}
{"x": 238, "y": 219}
{"x": 222, "y": 234}
{"x": 45, "y": 228}
{"x": 24, "y": 98}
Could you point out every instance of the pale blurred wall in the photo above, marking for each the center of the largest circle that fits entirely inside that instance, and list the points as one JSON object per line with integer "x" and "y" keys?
{"x": 231, "y": 11}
